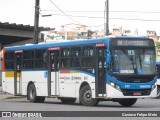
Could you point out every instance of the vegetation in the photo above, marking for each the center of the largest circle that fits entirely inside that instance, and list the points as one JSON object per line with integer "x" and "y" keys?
{"x": 158, "y": 45}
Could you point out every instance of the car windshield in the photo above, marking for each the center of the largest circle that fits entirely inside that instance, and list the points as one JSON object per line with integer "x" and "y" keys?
{"x": 133, "y": 61}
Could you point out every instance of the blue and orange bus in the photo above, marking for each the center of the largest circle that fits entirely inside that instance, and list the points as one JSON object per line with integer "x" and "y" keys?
{"x": 119, "y": 69}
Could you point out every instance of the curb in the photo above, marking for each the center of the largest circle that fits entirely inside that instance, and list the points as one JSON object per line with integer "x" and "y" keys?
{"x": 10, "y": 96}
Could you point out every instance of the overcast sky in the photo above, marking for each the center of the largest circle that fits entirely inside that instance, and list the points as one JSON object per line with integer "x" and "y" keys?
{"x": 129, "y": 14}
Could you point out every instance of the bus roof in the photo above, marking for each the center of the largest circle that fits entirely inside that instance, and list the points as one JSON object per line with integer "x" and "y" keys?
{"x": 135, "y": 36}
{"x": 58, "y": 43}
{"x": 68, "y": 42}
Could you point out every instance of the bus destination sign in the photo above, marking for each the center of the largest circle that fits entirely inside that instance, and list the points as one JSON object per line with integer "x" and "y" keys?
{"x": 132, "y": 43}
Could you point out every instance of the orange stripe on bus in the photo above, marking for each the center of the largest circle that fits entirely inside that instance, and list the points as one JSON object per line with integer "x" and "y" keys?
{"x": 3, "y": 54}
{"x": 74, "y": 72}
{"x": 11, "y": 74}
{"x": 68, "y": 72}
{"x": 65, "y": 71}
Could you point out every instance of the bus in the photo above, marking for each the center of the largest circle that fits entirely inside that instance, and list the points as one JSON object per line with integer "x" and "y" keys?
{"x": 119, "y": 69}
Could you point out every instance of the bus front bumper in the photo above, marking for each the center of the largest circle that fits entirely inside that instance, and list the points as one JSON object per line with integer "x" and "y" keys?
{"x": 114, "y": 93}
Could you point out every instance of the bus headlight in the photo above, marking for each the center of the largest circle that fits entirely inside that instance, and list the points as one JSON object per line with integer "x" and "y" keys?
{"x": 112, "y": 84}
{"x": 115, "y": 86}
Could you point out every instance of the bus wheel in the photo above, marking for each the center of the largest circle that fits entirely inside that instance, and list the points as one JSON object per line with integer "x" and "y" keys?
{"x": 127, "y": 102}
{"x": 158, "y": 91}
{"x": 86, "y": 97}
{"x": 68, "y": 100}
{"x": 33, "y": 95}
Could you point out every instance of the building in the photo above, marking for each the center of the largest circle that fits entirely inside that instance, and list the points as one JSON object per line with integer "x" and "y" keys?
{"x": 130, "y": 32}
{"x": 117, "y": 31}
{"x": 73, "y": 31}
{"x": 153, "y": 35}
{"x": 18, "y": 34}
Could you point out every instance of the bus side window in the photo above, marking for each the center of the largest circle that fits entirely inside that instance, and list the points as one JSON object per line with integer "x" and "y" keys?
{"x": 9, "y": 57}
{"x": 28, "y": 59}
{"x": 87, "y": 57}
{"x": 65, "y": 63}
{"x": 40, "y": 59}
{"x": 75, "y": 56}
{"x": 65, "y": 56}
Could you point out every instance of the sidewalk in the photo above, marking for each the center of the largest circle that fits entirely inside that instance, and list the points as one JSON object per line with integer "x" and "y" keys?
{"x": 5, "y": 95}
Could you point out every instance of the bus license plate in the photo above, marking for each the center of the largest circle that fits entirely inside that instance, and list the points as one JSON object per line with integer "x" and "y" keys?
{"x": 137, "y": 93}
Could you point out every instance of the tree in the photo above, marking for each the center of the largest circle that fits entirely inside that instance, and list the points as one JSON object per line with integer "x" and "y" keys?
{"x": 158, "y": 45}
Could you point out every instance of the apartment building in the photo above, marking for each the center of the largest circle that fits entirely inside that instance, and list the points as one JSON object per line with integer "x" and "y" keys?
{"x": 152, "y": 34}
{"x": 72, "y": 31}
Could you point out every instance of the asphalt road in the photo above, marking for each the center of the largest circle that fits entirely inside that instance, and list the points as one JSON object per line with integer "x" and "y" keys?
{"x": 50, "y": 104}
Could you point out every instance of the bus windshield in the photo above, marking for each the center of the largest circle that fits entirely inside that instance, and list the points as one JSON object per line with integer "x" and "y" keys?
{"x": 133, "y": 61}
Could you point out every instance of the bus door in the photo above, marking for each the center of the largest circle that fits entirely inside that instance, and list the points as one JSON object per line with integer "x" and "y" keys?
{"x": 53, "y": 71}
{"x": 17, "y": 72}
{"x": 100, "y": 67}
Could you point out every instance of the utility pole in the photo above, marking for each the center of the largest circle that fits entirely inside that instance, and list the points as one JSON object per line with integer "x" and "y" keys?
{"x": 36, "y": 22}
{"x": 107, "y": 17}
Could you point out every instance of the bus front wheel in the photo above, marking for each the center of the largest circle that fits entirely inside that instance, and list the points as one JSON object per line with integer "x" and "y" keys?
{"x": 86, "y": 97}
{"x": 158, "y": 91}
{"x": 127, "y": 102}
{"x": 32, "y": 95}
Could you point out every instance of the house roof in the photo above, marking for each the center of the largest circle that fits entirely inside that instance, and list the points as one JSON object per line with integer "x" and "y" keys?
{"x": 22, "y": 27}
{"x": 12, "y": 32}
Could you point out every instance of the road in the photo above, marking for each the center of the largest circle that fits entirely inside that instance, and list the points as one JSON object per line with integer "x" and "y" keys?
{"x": 50, "y": 104}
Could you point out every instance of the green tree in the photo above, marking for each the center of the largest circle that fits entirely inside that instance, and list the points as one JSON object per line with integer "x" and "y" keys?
{"x": 158, "y": 45}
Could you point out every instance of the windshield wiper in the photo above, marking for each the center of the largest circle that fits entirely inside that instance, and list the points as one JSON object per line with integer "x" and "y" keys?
{"x": 140, "y": 61}
{"x": 132, "y": 61}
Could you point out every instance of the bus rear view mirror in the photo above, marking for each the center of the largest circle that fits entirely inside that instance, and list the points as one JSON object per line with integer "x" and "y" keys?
{"x": 108, "y": 60}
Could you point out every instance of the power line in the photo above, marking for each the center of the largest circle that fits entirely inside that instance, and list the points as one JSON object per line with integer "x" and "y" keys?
{"x": 64, "y": 12}
{"x": 71, "y": 16}
{"x": 103, "y": 17}
{"x": 136, "y": 11}
{"x": 110, "y": 11}
{"x": 137, "y": 19}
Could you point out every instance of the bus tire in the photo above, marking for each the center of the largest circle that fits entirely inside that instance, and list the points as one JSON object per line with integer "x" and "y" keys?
{"x": 127, "y": 102}
{"x": 86, "y": 97}
{"x": 68, "y": 100}
{"x": 40, "y": 99}
{"x": 158, "y": 91}
{"x": 32, "y": 95}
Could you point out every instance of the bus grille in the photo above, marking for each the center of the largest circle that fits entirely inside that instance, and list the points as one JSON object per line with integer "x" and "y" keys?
{"x": 135, "y": 79}
{"x": 132, "y": 92}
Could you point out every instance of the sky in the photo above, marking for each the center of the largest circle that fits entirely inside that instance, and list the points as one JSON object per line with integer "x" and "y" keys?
{"x": 128, "y": 14}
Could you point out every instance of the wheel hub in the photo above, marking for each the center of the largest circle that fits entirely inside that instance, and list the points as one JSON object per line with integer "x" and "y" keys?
{"x": 88, "y": 96}
{"x": 32, "y": 92}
